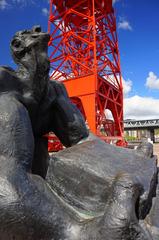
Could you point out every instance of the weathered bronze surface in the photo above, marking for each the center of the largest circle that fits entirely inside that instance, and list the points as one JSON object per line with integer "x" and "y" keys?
{"x": 89, "y": 191}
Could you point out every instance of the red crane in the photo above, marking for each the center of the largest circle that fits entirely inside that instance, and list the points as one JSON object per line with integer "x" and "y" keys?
{"x": 84, "y": 54}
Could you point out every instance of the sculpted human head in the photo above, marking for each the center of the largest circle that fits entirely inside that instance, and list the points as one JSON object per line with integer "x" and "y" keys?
{"x": 31, "y": 46}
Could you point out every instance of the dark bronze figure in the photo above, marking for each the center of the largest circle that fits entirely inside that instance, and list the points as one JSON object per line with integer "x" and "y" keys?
{"x": 89, "y": 191}
{"x": 46, "y": 101}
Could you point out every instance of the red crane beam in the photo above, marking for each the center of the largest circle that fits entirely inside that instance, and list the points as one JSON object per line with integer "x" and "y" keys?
{"x": 84, "y": 54}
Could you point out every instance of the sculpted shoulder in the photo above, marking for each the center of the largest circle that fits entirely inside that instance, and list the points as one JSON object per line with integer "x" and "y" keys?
{"x": 58, "y": 88}
{"x": 6, "y": 71}
{"x": 8, "y": 79}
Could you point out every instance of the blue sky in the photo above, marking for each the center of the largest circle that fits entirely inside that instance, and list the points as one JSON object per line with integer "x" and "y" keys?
{"x": 138, "y": 33}
{"x": 138, "y": 24}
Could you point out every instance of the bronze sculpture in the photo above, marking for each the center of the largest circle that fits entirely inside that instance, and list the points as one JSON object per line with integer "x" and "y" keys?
{"x": 92, "y": 191}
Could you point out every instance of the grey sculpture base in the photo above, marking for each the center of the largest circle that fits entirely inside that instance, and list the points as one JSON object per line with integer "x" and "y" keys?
{"x": 83, "y": 175}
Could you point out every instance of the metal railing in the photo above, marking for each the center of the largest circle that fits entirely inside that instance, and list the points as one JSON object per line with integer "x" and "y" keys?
{"x": 128, "y": 124}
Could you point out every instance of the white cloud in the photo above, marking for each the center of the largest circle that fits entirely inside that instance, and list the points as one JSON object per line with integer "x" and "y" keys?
{"x": 3, "y": 4}
{"x": 18, "y": 1}
{"x": 12, "y": 3}
{"x": 127, "y": 86}
{"x": 137, "y": 107}
{"x": 114, "y": 1}
{"x": 45, "y": 11}
{"x": 152, "y": 81}
{"x": 125, "y": 25}
{"x": 23, "y": 2}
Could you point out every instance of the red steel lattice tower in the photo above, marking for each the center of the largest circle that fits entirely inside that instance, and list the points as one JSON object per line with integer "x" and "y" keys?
{"x": 84, "y": 55}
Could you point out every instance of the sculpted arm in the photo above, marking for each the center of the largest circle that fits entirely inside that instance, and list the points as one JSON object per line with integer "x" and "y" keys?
{"x": 60, "y": 116}
{"x": 66, "y": 120}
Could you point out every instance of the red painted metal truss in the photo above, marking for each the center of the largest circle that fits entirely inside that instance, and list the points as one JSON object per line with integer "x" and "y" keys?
{"x": 84, "y": 55}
